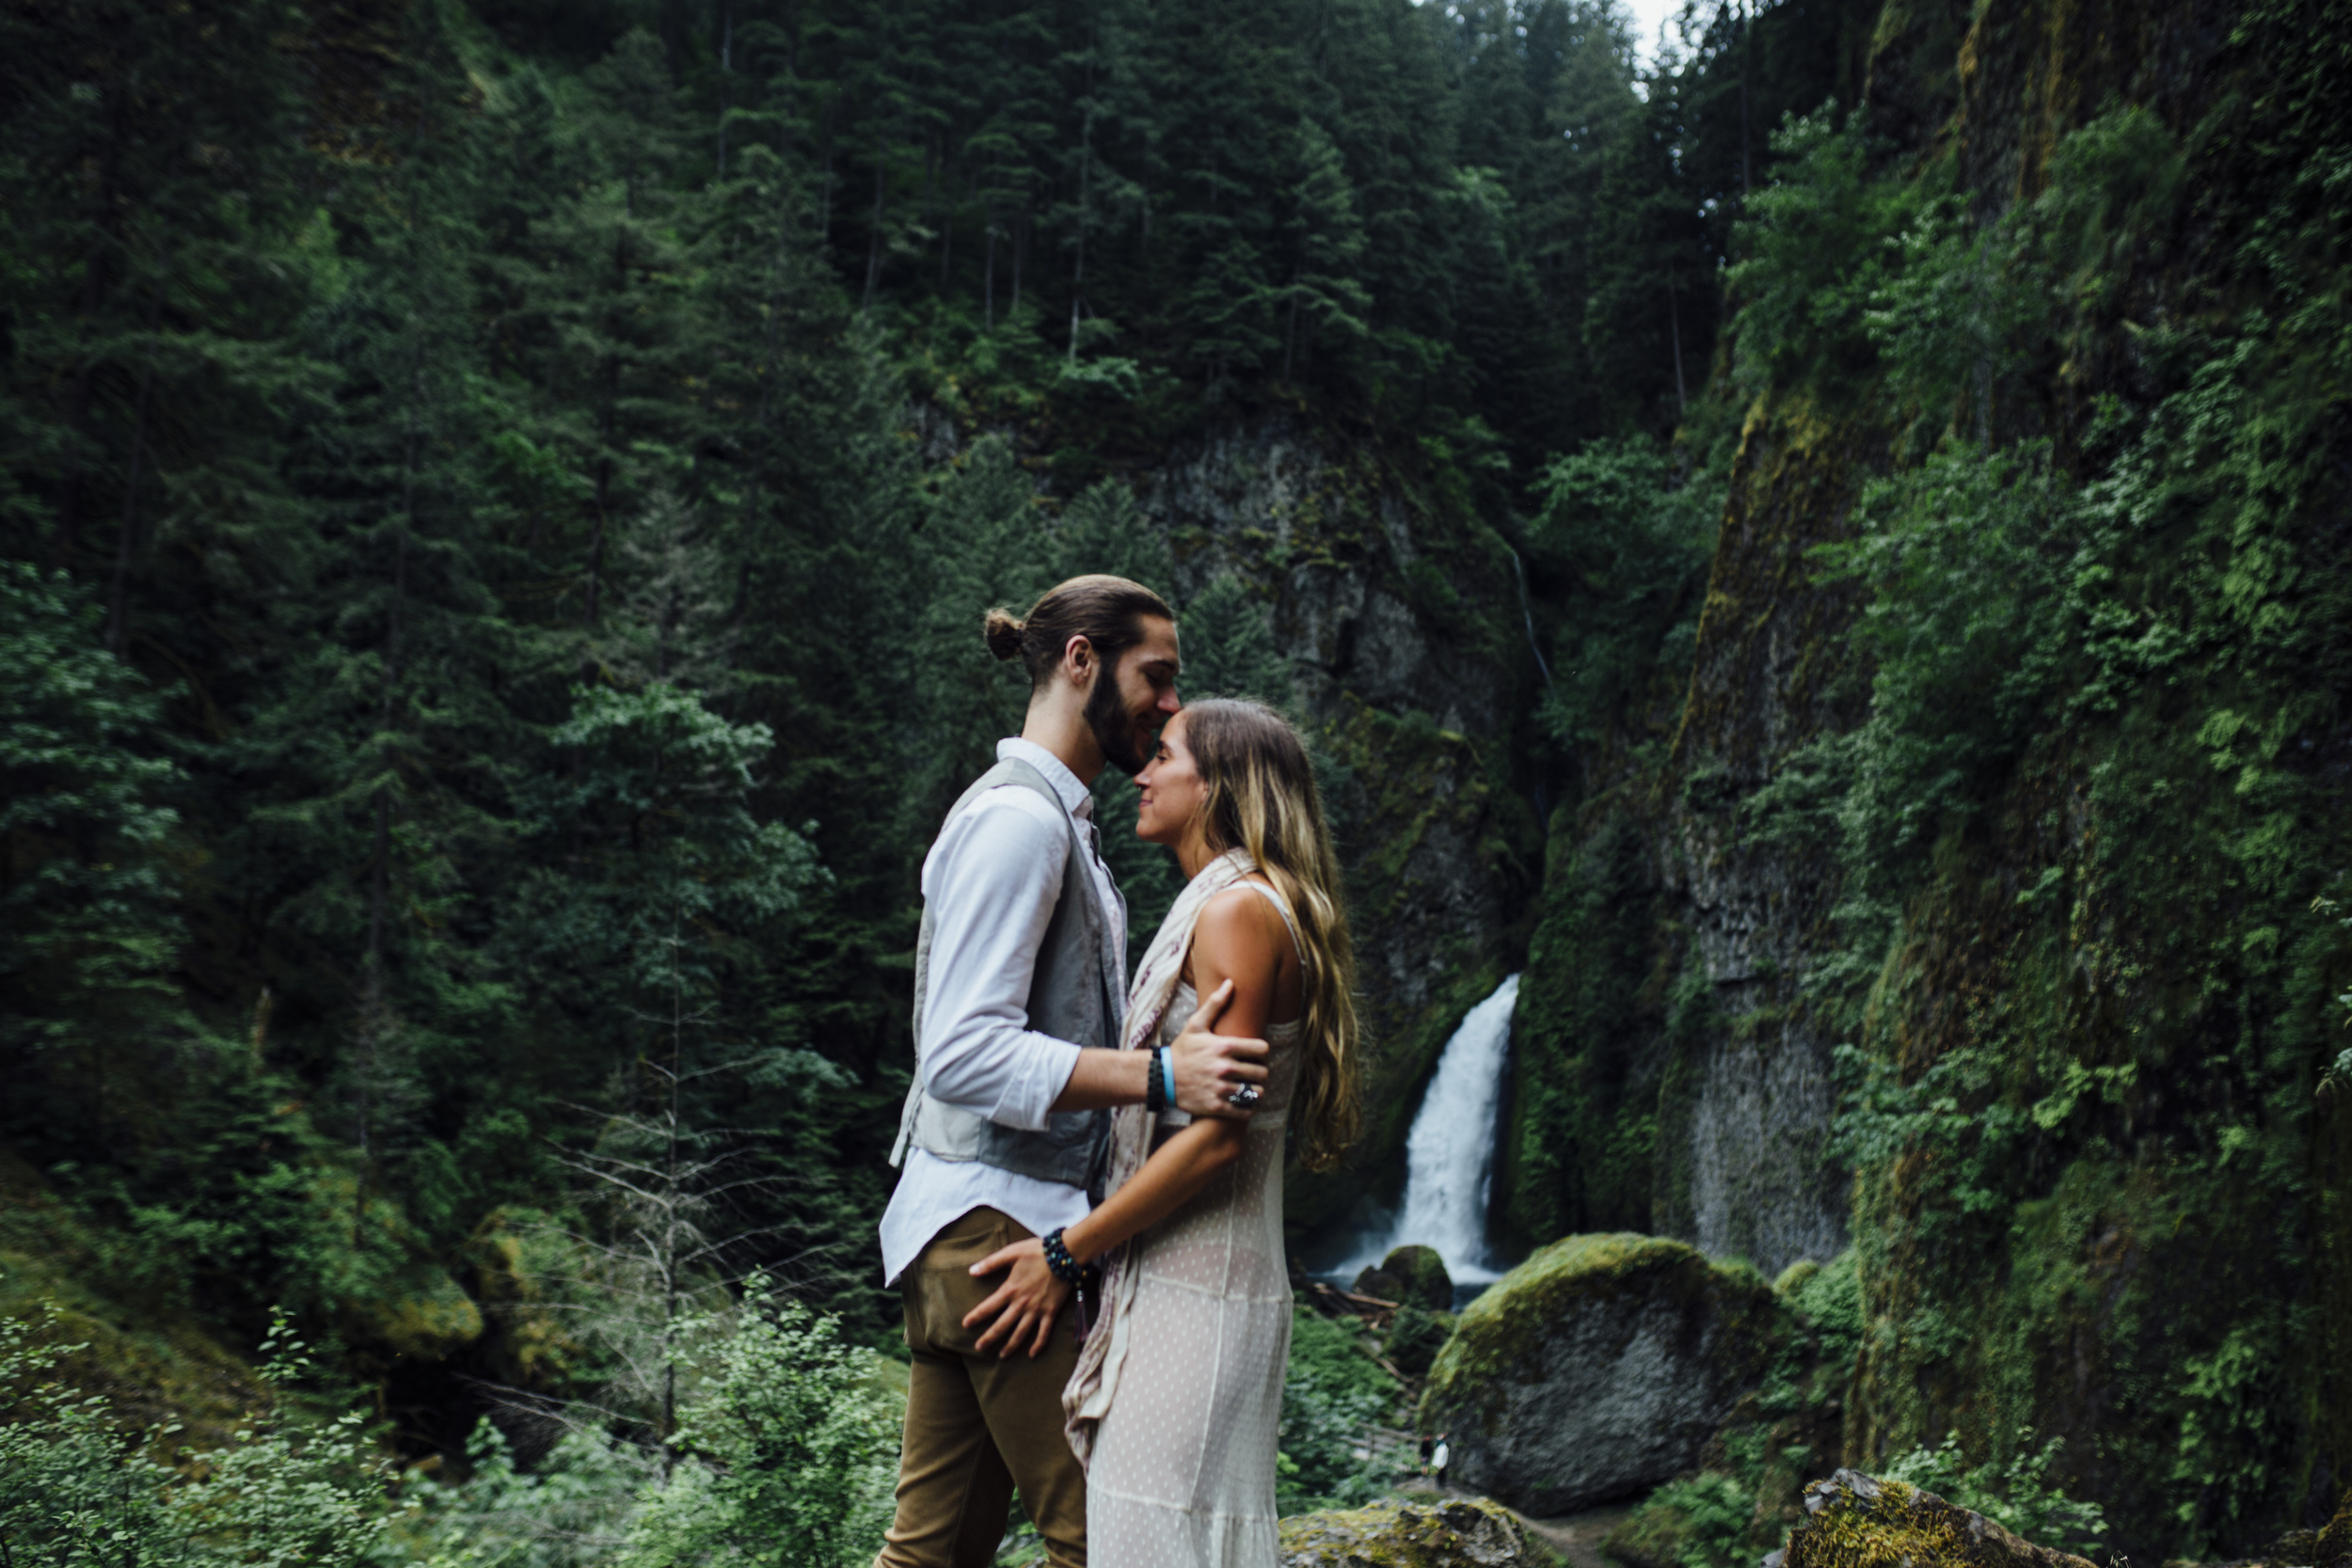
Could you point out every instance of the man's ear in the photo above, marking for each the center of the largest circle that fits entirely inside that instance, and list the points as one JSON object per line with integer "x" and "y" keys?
{"x": 1077, "y": 657}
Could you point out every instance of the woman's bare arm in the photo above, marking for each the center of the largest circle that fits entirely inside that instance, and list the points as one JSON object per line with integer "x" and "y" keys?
{"x": 1231, "y": 942}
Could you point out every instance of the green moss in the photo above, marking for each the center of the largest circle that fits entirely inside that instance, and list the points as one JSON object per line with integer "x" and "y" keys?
{"x": 1420, "y": 1276}
{"x": 1505, "y": 1327}
{"x": 150, "y": 1356}
{"x": 1456, "y": 1533}
{"x": 1863, "y": 1524}
{"x": 1581, "y": 1142}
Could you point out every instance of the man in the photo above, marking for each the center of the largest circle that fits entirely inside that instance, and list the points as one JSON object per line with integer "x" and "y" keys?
{"x": 1020, "y": 992}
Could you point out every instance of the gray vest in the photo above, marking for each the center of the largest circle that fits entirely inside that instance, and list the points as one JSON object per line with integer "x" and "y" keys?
{"x": 1076, "y": 993}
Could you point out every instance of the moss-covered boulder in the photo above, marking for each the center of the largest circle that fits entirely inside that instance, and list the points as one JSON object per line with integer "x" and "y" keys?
{"x": 1457, "y": 1532}
{"x": 2333, "y": 1548}
{"x": 1409, "y": 1274}
{"x": 1599, "y": 1367}
{"x": 1855, "y": 1521}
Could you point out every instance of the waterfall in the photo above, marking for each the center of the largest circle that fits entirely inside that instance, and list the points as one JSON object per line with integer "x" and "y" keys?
{"x": 1450, "y": 1152}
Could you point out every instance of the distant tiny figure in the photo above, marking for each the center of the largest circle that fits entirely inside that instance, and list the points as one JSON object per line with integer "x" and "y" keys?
{"x": 1438, "y": 1458}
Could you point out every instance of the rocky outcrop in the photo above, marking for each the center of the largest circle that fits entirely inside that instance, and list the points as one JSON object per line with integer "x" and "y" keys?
{"x": 1409, "y": 1274}
{"x": 1459, "y": 1532}
{"x": 1384, "y": 595}
{"x": 1600, "y": 1367}
{"x": 1856, "y": 1522}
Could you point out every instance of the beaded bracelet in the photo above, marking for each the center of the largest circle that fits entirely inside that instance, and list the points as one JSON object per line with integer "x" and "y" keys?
{"x": 1167, "y": 1065}
{"x": 1058, "y": 1261}
{"x": 1154, "y": 1091}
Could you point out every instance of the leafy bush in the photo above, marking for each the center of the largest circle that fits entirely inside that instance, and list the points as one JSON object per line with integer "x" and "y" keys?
{"x": 1831, "y": 1299}
{"x": 570, "y": 1509}
{"x": 1698, "y": 1522}
{"x": 2018, "y": 1494}
{"x": 78, "y": 1491}
{"x": 1415, "y": 1338}
{"x": 1333, "y": 1396}
{"x": 787, "y": 1455}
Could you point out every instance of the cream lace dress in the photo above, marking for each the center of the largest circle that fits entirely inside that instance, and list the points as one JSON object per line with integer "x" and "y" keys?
{"x": 1182, "y": 1467}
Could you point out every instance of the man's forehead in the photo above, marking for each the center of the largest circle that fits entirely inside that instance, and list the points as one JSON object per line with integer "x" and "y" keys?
{"x": 1158, "y": 646}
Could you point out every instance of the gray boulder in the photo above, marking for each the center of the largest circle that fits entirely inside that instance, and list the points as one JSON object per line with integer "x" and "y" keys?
{"x": 1455, "y": 1532}
{"x": 1597, "y": 1369}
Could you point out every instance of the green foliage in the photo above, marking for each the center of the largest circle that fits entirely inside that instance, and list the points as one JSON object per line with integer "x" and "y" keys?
{"x": 1620, "y": 545}
{"x": 2020, "y": 1495}
{"x": 786, "y": 1444}
{"x": 1334, "y": 1395}
{"x": 569, "y": 1510}
{"x": 77, "y": 1491}
{"x": 789, "y": 1447}
{"x": 1814, "y": 259}
{"x": 1830, "y": 1299}
{"x": 1414, "y": 1338}
{"x": 88, "y": 929}
{"x": 1701, "y": 1521}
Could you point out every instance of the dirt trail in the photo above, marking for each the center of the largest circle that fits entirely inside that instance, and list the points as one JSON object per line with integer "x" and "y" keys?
{"x": 1576, "y": 1536}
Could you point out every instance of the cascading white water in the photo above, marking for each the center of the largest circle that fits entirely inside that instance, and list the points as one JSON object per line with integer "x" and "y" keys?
{"x": 1450, "y": 1152}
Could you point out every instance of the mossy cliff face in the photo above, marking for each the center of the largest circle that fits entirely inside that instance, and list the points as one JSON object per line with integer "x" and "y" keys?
{"x": 1601, "y": 1366}
{"x": 1380, "y": 583}
{"x": 2068, "y": 944}
{"x": 1670, "y": 1076}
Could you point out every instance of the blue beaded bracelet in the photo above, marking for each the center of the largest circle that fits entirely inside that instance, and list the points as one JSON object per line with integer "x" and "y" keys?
{"x": 1058, "y": 1261}
{"x": 1167, "y": 1066}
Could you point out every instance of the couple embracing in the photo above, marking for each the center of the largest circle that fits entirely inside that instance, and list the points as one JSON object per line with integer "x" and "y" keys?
{"x": 1088, "y": 1232}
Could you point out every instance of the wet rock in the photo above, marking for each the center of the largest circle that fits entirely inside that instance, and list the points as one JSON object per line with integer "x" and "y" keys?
{"x": 1855, "y": 1521}
{"x": 1458, "y": 1533}
{"x": 1599, "y": 1367}
{"x": 1414, "y": 1274}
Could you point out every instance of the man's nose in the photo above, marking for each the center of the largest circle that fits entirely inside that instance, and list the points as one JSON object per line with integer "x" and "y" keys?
{"x": 1170, "y": 702}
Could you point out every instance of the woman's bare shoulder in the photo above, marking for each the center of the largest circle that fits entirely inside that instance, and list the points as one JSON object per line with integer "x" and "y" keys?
{"x": 1239, "y": 923}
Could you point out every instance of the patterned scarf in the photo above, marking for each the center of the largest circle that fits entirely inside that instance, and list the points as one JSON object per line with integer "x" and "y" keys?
{"x": 1087, "y": 1398}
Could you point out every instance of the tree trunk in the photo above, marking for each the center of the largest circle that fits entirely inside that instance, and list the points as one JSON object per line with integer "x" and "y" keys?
{"x": 117, "y": 594}
{"x": 873, "y": 238}
{"x": 726, "y": 81}
{"x": 1289, "y": 335}
{"x": 1674, "y": 326}
{"x": 1020, "y": 249}
{"x": 1086, "y": 169}
{"x": 93, "y": 297}
{"x": 1747, "y": 62}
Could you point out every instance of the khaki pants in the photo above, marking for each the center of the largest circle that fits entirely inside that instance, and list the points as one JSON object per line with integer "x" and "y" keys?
{"x": 977, "y": 1427}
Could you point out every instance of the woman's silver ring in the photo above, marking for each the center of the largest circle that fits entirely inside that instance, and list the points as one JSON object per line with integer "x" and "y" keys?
{"x": 1243, "y": 1097}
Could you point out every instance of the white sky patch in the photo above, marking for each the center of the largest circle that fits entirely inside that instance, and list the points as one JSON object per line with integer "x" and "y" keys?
{"x": 1648, "y": 17}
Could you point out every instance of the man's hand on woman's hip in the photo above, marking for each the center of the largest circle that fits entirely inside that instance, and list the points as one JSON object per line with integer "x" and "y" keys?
{"x": 1210, "y": 1066}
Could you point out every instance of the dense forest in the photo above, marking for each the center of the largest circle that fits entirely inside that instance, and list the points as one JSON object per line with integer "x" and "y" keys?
{"x": 1828, "y": 547}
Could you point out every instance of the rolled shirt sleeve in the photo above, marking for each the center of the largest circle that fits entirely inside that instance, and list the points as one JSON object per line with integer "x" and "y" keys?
{"x": 991, "y": 882}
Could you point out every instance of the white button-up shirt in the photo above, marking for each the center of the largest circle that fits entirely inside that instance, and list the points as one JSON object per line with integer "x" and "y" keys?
{"x": 991, "y": 882}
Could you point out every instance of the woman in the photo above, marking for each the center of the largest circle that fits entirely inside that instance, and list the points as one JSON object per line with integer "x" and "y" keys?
{"x": 1178, "y": 1388}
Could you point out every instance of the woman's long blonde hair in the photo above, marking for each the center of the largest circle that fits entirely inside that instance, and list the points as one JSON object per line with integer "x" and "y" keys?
{"x": 1262, "y": 799}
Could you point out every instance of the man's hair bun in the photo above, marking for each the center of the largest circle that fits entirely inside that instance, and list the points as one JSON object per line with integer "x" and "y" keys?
{"x": 1004, "y": 634}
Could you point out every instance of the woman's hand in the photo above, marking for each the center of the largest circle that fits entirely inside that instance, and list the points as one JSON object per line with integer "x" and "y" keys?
{"x": 1026, "y": 1304}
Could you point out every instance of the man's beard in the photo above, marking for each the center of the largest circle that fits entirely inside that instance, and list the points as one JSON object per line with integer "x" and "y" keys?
{"x": 1115, "y": 729}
